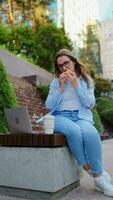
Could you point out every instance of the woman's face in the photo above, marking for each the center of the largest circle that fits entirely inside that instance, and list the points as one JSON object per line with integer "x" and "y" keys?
{"x": 64, "y": 63}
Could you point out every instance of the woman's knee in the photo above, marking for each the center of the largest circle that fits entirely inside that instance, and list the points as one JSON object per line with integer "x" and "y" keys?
{"x": 89, "y": 131}
{"x": 92, "y": 135}
{"x": 92, "y": 138}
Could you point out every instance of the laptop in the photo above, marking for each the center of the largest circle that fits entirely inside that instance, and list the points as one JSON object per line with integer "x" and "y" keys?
{"x": 18, "y": 120}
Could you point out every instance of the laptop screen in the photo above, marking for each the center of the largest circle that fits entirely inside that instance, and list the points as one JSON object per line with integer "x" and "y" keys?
{"x": 18, "y": 120}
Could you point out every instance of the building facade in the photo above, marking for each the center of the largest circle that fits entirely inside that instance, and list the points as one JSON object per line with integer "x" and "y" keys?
{"x": 75, "y": 16}
{"x": 106, "y": 44}
{"x": 106, "y": 9}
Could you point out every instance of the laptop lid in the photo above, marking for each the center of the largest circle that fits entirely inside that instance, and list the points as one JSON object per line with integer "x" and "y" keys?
{"x": 18, "y": 120}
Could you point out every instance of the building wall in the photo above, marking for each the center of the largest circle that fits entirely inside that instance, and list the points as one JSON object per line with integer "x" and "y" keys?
{"x": 76, "y": 14}
{"x": 106, "y": 9}
{"x": 107, "y": 49}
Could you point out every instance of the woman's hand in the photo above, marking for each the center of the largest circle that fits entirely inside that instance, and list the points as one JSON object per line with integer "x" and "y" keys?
{"x": 68, "y": 75}
{"x": 72, "y": 77}
{"x": 62, "y": 81}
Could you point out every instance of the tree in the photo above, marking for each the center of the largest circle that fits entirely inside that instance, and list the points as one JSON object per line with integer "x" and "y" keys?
{"x": 7, "y": 9}
{"x": 49, "y": 40}
{"x": 90, "y": 52}
{"x": 31, "y": 12}
{"x": 34, "y": 11}
{"x": 4, "y": 34}
{"x": 11, "y": 12}
{"x": 7, "y": 97}
{"x": 22, "y": 40}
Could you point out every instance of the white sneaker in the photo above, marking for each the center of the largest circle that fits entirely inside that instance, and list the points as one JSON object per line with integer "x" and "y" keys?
{"x": 105, "y": 174}
{"x": 101, "y": 184}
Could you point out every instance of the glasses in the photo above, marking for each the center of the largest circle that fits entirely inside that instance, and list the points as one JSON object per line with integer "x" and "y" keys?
{"x": 65, "y": 64}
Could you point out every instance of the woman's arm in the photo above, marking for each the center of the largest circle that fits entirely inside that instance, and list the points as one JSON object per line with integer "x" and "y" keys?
{"x": 54, "y": 95}
{"x": 86, "y": 93}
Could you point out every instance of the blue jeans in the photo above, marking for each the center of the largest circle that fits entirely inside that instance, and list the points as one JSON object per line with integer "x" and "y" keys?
{"x": 82, "y": 137}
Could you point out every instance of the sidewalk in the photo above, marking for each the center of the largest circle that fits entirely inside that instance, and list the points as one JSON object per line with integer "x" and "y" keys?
{"x": 86, "y": 190}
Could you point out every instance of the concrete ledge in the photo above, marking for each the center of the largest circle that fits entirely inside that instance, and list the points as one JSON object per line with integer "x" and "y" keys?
{"x": 36, "y": 195}
{"x": 43, "y": 173}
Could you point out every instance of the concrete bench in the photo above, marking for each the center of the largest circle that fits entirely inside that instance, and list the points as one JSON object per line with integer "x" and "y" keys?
{"x": 37, "y": 172}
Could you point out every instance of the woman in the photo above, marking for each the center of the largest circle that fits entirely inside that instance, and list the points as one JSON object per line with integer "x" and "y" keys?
{"x": 70, "y": 99}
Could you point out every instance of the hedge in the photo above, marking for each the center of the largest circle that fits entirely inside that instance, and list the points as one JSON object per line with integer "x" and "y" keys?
{"x": 7, "y": 96}
{"x": 105, "y": 109}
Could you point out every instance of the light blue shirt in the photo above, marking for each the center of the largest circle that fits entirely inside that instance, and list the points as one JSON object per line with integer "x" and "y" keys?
{"x": 84, "y": 92}
{"x": 70, "y": 100}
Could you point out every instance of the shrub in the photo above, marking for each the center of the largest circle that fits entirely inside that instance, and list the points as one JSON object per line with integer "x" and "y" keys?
{"x": 104, "y": 103}
{"x": 102, "y": 86}
{"x": 7, "y": 97}
{"x": 22, "y": 40}
{"x": 97, "y": 120}
{"x": 105, "y": 109}
{"x": 44, "y": 89}
{"x": 4, "y": 34}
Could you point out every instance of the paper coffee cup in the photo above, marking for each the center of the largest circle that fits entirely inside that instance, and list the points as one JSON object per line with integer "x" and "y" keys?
{"x": 49, "y": 124}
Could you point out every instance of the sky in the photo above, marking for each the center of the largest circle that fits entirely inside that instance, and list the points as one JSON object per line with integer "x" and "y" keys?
{"x": 106, "y": 9}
